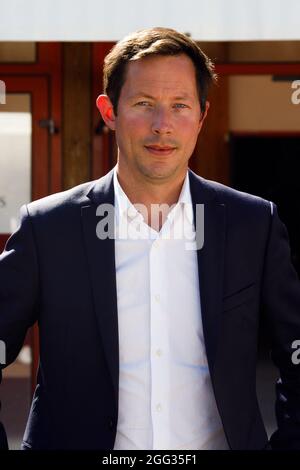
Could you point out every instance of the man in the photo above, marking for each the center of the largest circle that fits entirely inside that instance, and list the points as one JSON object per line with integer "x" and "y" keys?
{"x": 149, "y": 341}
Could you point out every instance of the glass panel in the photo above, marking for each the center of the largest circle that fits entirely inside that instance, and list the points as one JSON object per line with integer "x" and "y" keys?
{"x": 15, "y": 159}
{"x": 15, "y": 190}
{"x": 17, "y": 52}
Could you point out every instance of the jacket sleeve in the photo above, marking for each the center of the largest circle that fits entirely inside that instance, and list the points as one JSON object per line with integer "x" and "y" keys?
{"x": 18, "y": 293}
{"x": 281, "y": 305}
{"x": 3, "y": 437}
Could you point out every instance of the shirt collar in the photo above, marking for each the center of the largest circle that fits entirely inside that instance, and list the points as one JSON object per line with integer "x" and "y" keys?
{"x": 124, "y": 207}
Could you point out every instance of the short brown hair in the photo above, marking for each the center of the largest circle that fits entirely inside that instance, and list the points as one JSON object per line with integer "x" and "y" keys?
{"x": 154, "y": 41}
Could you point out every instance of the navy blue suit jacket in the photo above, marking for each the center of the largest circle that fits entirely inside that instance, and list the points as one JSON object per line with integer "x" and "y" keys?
{"x": 56, "y": 271}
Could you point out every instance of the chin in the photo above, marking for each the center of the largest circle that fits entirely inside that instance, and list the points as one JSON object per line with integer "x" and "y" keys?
{"x": 159, "y": 173}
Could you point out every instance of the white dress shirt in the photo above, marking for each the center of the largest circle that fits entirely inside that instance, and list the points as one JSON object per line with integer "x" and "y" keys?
{"x": 166, "y": 399}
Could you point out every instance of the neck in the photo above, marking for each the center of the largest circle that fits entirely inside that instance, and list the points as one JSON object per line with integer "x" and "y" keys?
{"x": 150, "y": 193}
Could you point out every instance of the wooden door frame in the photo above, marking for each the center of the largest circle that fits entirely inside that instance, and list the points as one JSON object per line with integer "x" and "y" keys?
{"x": 287, "y": 69}
{"x": 48, "y": 63}
{"x": 257, "y": 68}
{"x": 46, "y": 71}
{"x": 37, "y": 88}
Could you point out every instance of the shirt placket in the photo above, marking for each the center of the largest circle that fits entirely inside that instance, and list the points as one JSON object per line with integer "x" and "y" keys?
{"x": 159, "y": 347}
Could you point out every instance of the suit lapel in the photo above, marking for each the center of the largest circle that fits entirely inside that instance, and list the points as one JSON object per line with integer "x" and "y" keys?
{"x": 210, "y": 262}
{"x": 101, "y": 265}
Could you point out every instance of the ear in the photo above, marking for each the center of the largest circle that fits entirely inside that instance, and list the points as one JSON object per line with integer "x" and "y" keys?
{"x": 106, "y": 110}
{"x": 203, "y": 115}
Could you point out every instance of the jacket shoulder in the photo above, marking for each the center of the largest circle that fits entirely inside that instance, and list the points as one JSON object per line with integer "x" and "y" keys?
{"x": 71, "y": 199}
{"x": 232, "y": 197}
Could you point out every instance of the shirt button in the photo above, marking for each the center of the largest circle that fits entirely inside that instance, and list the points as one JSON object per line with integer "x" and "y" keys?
{"x": 157, "y": 297}
{"x": 158, "y": 352}
{"x": 132, "y": 212}
{"x": 158, "y": 407}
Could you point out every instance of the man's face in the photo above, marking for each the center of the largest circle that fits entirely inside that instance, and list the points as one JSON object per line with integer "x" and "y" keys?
{"x": 158, "y": 118}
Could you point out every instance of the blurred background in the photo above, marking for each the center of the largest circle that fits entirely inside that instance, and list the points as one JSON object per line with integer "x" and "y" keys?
{"x": 52, "y": 137}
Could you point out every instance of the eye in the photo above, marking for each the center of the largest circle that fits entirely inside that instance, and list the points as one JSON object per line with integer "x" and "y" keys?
{"x": 143, "y": 103}
{"x": 180, "y": 105}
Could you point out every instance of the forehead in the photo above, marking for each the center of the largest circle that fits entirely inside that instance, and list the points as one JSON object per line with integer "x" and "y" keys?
{"x": 173, "y": 73}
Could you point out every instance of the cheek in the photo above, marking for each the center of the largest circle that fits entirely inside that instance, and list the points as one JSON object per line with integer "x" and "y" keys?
{"x": 130, "y": 132}
{"x": 188, "y": 129}
{"x": 133, "y": 123}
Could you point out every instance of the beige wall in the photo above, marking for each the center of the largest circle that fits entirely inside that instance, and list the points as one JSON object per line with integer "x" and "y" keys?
{"x": 252, "y": 51}
{"x": 17, "y": 51}
{"x": 256, "y": 103}
{"x": 264, "y": 51}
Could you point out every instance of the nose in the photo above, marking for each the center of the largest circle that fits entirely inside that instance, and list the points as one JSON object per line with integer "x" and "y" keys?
{"x": 162, "y": 122}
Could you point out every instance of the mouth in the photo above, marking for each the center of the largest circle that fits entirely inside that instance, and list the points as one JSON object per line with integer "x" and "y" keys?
{"x": 160, "y": 150}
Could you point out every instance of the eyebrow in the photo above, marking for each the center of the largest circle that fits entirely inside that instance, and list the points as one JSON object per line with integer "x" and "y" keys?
{"x": 183, "y": 96}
